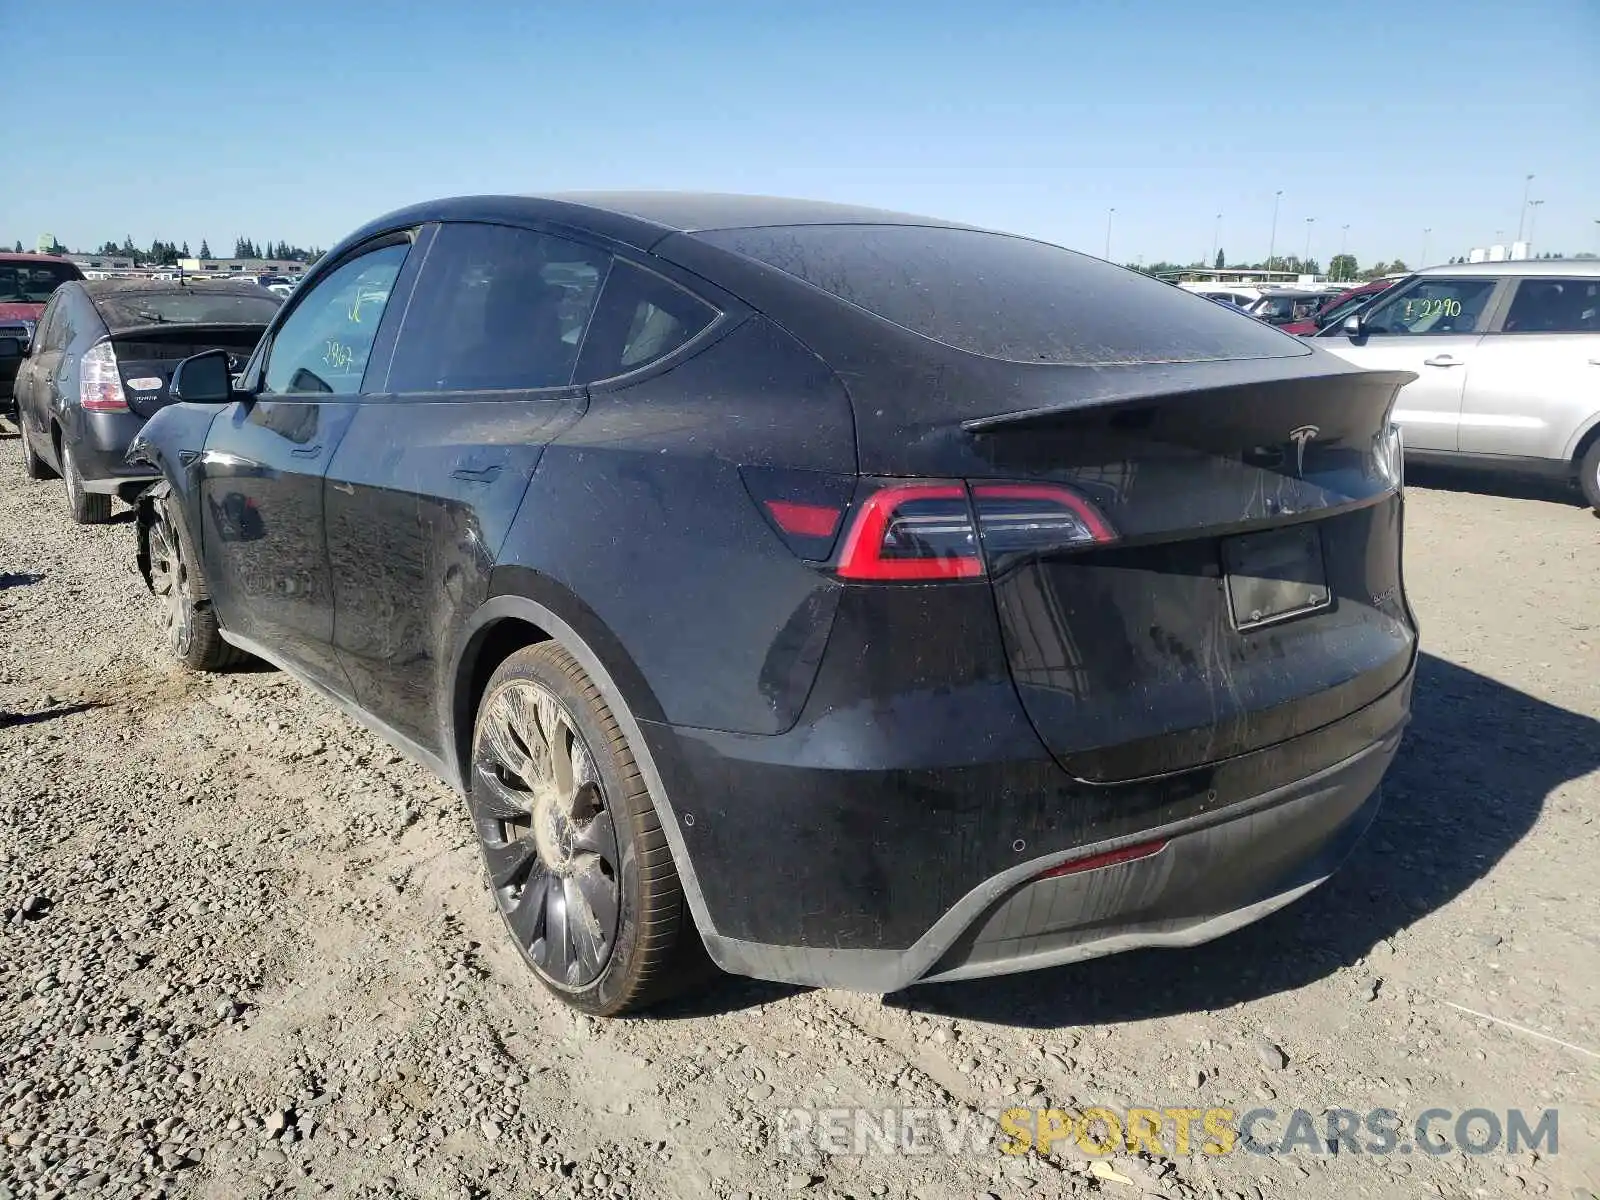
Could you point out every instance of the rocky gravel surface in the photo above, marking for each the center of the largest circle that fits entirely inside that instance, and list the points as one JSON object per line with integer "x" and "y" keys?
{"x": 244, "y": 949}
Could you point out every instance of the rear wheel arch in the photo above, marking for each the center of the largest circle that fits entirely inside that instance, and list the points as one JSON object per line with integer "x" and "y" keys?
{"x": 508, "y": 622}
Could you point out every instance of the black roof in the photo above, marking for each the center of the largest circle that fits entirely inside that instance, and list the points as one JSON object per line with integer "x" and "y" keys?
{"x": 642, "y": 219}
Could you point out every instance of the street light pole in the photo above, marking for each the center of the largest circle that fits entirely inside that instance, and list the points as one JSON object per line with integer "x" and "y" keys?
{"x": 1272, "y": 242}
{"x": 1344, "y": 245}
{"x": 1526, "y": 184}
{"x": 1532, "y": 217}
{"x": 1216, "y": 234}
{"x": 1424, "y": 260}
{"x": 1110, "y": 212}
{"x": 1307, "y": 258}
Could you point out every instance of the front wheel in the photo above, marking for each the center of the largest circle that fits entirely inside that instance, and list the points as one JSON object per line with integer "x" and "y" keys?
{"x": 1589, "y": 475}
{"x": 184, "y": 606}
{"x": 575, "y": 857}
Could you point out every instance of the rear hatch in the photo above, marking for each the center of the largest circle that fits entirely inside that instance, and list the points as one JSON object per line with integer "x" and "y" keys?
{"x": 148, "y": 354}
{"x": 1191, "y": 522}
{"x": 1246, "y": 588}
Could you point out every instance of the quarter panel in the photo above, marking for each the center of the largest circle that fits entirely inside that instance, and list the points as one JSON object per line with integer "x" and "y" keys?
{"x": 639, "y": 511}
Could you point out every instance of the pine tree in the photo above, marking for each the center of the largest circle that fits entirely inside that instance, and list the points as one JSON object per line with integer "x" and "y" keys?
{"x": 205, "y": 250}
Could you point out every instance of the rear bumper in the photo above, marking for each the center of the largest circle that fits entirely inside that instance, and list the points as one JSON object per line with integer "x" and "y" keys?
{"x": 874, "y": 881}
{"x": 100, "y": 450}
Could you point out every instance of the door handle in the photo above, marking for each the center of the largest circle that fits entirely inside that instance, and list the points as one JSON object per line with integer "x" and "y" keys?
{"x": 307, "y": 451}
{"x": 1441, "y": 360}
{"x": 347, "y": 489}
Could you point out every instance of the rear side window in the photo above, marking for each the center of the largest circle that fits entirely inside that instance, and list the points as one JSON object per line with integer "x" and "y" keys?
{"x": 642, "y": 317}
{"x": 497, "y": 308}
{"x": 1555, "y": 306}
{"x": 1006, "y": 297}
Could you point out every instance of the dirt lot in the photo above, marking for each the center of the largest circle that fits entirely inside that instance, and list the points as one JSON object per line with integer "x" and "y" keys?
{"x": 244, "y": 949}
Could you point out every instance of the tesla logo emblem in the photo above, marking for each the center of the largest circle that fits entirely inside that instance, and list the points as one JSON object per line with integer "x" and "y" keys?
{"x": 1300, "y": 437}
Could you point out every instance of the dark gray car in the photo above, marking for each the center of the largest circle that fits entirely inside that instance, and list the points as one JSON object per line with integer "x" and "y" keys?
{"x": 99, "y": 366}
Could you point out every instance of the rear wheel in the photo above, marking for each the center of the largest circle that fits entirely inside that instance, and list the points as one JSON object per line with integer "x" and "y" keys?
{"x": 1589, "y": 474}
{"x": 88, "y": 508}
{"x": 574, "y": 854}
{"x": 33, "y": 466}
{"x": 184, "y": 607}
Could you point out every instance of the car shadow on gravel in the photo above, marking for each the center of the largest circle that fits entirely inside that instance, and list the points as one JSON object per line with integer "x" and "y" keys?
{"x": 11, "y": 579}
{"x": 1468, "y": 784}
{"x": 13, "y": 720}
{"x": 1494, "y": 483}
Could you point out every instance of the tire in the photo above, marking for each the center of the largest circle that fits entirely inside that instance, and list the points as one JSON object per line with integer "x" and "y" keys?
{"x": 87, "y": 508}
{"x": 574, "y": 855}
{"x": 187, "y": 619}
{"x": 1589, "y": 475}
{"x": 33, "y": 466}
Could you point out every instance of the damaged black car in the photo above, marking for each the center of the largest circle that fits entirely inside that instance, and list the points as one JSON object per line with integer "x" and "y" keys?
{"x": 852, "y": 598}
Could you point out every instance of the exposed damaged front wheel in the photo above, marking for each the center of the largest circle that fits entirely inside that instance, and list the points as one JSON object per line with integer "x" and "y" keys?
{"x": 184, "y": 607}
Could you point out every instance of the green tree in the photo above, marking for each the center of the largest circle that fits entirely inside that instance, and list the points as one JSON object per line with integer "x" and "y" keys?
{"x": 18, "y": 249}
{"x": 184, "y": 252}
{"x": 1343, "y": 266}
{"x": 205, "y": 250}
{"x": 1222, "y": 259}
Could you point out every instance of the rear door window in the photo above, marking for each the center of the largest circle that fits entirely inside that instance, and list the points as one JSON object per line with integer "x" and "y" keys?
{"x": 1435, "y": 305}
{"x": 497, "y": 308}
{"x": 641, "y": 318}
{"x": 1554, "y": 306}
{"x": 1006, "y": 297}
{"x": 323, "y": 345}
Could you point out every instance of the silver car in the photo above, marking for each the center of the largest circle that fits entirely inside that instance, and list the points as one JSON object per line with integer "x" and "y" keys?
{"x": 1507, "y": 358}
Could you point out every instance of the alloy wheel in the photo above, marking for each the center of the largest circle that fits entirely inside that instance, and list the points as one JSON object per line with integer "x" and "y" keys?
{"x": 548, "y": 838}
{"x": 169, "y": 580}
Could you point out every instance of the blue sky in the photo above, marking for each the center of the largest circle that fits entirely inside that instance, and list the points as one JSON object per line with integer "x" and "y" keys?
{"x": 300, "y": 120}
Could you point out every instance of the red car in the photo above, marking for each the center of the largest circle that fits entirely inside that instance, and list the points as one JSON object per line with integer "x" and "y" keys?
{"x": 1338, "y": 306}
{"x": 26, "y": 282}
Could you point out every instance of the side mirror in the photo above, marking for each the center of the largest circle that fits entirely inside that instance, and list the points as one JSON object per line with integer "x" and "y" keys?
{"x": 1352, "y": 326}
{"x": 12, "y": 348}
{"x": 203, "y": 379}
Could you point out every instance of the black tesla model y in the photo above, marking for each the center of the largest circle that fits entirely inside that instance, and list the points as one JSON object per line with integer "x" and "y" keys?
{"x": 865, "y": 598}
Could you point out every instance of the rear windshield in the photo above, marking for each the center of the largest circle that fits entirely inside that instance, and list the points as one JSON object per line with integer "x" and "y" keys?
{"x": 124, "y": 310}
{"x": 32, "y": 283}
{"x": 1007, "y": 297}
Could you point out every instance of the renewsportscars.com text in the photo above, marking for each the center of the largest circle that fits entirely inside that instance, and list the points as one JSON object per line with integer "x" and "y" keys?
{"x": 1170, "y": 1131}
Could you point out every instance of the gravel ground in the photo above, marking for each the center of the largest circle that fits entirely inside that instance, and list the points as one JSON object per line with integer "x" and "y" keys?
{"x": 244, "y": 950}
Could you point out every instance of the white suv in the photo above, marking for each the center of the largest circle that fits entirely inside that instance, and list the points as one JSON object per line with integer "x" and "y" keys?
{"x": 1507, "y": 357}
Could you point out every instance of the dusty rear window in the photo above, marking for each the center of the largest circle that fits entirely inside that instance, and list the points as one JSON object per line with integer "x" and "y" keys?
{"x": 1007, "y": 297}
{"x": 126, "y": 310}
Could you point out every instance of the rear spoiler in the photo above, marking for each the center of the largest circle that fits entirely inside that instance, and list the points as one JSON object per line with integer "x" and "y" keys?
{"x": 1044, "y": 414}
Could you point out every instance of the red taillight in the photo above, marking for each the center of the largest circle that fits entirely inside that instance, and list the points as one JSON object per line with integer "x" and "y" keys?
{"x": 99, "y": 385}
{"x": 914, "y": 531}
{"x": 933, "y": 531}
{"x": 1109, "y": 859}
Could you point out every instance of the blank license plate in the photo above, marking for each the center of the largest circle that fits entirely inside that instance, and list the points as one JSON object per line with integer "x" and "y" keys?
{"x": 1275, "y": 575}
